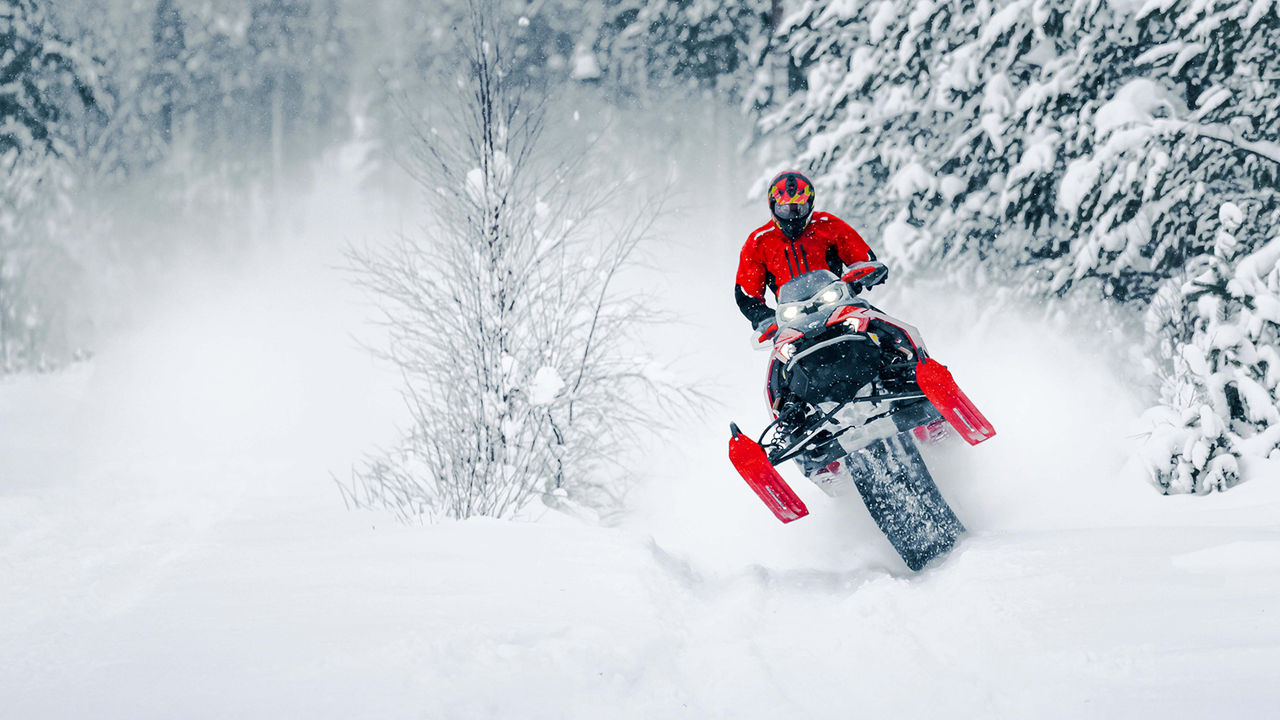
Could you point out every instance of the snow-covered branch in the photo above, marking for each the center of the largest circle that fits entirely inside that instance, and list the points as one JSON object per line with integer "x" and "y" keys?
{"x": 1265, "y": 149}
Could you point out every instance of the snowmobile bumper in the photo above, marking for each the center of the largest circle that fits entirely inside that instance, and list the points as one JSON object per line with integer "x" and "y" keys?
{"x": 940, "y": 388}
{"x": 753, "y": 465}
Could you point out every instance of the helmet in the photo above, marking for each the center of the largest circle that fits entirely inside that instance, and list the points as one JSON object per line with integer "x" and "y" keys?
{"x": 791, "y": 202}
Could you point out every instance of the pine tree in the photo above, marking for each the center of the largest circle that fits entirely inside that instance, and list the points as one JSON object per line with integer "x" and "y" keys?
{"x": 1055, "y": 148}
{"x": 1216, "y": 337}
{"x": 41, "y": 75}
{"x": 1055, "y": 143}
{"x": 45, "y": 81}
{"x": 168, "y": 76}
{"x": 697, "y": 43}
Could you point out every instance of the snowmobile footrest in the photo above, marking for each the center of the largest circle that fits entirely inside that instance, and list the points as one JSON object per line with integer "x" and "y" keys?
{"x": 753, "y": 465}
{"x": 941, "y": 389}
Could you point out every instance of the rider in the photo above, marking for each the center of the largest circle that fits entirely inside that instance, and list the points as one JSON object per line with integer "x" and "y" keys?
{"x": 795, "y": 241}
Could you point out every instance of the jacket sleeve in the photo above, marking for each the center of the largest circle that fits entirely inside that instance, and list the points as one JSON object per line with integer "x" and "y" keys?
{"x": 849, "y": 244}
{"x": 753, "y": 276}
{"x": 752, "y": 279}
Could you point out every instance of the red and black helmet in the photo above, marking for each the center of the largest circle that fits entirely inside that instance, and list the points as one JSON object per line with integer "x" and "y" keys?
{"x": 791, "y": 202}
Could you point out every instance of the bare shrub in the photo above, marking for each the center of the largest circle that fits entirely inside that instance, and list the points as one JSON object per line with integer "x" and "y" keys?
{"x": 505, "y": 316}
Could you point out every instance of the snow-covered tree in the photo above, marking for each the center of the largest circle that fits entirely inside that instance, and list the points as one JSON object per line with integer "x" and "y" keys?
{"x": 1217, "y": 352}
{"x": 696, "y": 43}
{"x": 297, "y": 81}
{"x": 505, "y": 316}
{"x": 1052, "y": 142}
{"x": 42, "y": 75}
{"x": 168, "y": 76}
{"x": 1050, "y": 147}
{"x": 47, "y": 84}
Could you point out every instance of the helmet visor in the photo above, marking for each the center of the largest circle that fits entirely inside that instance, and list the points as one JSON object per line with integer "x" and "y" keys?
{"x": 792, "y": 211}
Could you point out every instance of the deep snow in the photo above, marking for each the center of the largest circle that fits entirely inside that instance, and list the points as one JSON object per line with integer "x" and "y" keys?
{"x": 172, "y": 543}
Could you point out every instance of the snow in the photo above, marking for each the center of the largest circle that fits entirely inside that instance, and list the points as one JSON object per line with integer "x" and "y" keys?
{"x": 881, "y": 21}
{"x": 1243, "y": 556}
{"x": 174, "y": 546}
{"x": 475, "y": 185}
{"x": 1159, "y": 52}
{"x": 1038, "y": 156}
{"x": 1002, "y": 22}
{"x": 546, "y": 385}
{"x": 1078, "y": 183}
{"x": 1139, "y": 101}
{"x": 909, "y": 180}
{"x": 584, "y": 65}
{"x": 1230, "y": 215}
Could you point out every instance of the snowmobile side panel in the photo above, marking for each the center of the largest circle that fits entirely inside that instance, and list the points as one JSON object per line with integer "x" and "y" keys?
{"x": 903, "y": 500}
{"x": 751, "y": 462}
{"x": 940, "y": 388}
{"x": 853, "y": 314}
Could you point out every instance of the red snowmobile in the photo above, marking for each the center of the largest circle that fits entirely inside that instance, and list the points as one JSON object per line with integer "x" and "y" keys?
{"x": 852, "y": 391}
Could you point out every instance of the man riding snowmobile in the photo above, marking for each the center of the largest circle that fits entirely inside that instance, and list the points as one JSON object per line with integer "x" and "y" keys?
{"x": 853, "y": 390}
{"x": 795, "y": 241}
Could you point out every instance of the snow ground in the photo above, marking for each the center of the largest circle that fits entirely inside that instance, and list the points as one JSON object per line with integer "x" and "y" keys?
{"x": 172, "y": 545}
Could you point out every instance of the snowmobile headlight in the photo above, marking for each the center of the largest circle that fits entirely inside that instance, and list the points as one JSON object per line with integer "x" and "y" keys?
{"x": 832, "y": 293}
{"x": 790, "y": 312}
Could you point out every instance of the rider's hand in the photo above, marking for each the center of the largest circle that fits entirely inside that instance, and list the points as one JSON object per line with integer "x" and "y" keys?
{"x": 766, "y": 328}
{"x": 864, "y": 275}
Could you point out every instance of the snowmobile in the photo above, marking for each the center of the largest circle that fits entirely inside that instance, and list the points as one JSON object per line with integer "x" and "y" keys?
{"x": 852, "y": 391}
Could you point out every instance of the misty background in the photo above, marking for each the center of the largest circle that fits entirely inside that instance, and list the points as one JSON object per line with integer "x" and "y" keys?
{"x": 1109, "y": 163}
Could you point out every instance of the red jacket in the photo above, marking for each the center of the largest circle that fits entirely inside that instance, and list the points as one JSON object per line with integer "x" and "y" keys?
{"x": 769, "y": 258}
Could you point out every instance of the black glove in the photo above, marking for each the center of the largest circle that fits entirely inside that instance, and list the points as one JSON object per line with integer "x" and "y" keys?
{"x": 866, "y": 274}
{"x": 766, "y": 327}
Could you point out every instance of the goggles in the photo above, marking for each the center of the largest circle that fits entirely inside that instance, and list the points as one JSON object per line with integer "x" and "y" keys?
{"x": 792, "y": 211}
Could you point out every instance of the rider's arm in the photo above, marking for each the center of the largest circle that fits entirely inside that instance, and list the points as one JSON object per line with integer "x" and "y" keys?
{"x": 752, "y": 279}
{"x": 851, "y": 248}
{"x": 849, "y": 244}
{"x": 753, "y": 308}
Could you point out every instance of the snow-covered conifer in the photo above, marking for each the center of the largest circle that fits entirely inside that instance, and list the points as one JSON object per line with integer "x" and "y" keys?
{"x": 1216, "y": 335}
{"x": 1051, "y": 147}
{"x": 1054, "y": 143}
{"x": 42, "y": 75}
{"x": 703, "y": 44}
{"x": 46, "y": 83}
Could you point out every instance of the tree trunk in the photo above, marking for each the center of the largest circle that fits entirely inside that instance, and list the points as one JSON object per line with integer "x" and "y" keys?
{"x": 277, "y": 148}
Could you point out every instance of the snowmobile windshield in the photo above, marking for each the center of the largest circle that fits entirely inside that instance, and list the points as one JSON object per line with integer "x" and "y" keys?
{"x": 803, "y": 288}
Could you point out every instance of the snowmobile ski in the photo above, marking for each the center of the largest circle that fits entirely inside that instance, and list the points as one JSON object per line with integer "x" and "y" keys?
{"x": 753, "y": 465}
{"x": 940, "y": 388}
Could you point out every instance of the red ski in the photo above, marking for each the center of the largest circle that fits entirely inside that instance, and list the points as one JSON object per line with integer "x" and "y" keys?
{"x": 754, "y": 467}
{"x": 940, "y": 388}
